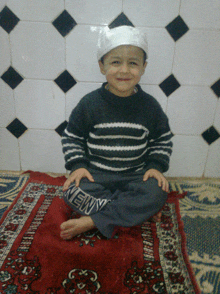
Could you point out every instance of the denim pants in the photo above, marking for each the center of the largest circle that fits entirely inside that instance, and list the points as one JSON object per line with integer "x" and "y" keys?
{"x": 116, "y": 199}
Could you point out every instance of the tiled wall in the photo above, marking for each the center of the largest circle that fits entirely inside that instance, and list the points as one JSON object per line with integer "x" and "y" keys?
{"x": 48, "y": 62}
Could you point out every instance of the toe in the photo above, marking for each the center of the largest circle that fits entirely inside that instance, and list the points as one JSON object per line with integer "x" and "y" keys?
{"x": 63, "y": 226}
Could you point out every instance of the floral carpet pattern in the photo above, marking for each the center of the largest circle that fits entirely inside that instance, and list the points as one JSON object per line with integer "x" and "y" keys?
{"x": 10, "y": 185}
{"x": 200, "y": 211}
{"x": 201, "y": 216}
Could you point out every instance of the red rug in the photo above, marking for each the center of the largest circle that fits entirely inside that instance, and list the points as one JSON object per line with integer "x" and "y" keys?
{"x": 33, "y": 259}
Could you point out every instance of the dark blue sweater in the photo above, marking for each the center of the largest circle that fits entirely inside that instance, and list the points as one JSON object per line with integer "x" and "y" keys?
{"x": 117, "y": 134}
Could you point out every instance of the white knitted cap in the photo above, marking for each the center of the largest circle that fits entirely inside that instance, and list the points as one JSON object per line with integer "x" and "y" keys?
{"x": 123, "y": 35}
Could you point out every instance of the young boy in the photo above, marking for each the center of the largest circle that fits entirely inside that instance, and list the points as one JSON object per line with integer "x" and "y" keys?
{"x": 117, "y": 144}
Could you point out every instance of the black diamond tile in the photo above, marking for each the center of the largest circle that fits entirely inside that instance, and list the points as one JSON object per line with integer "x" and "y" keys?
{"x": 210, "y": 135}
{"x": 64, "y": 23}
{"x": 12, "y": 78}
{"x": 8, "y": 20}
{"x": 61, "y": 128}
{"x": 177, "y": 28}
{"x": 216, "y": 88}
{"x": 121, "y": 20}
{"x": 65, "y": 81}
{"x": 16, "y": 127}
{"x": 169, "y": 85}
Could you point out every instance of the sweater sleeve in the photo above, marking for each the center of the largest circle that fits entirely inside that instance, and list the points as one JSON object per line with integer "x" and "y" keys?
{"x": 159, "y": 144}
{"x": 74, "y": 138}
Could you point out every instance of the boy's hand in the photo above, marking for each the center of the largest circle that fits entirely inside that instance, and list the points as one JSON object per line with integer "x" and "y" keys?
{"x": 162, "y": 181}
{"x": 76, "y": 176}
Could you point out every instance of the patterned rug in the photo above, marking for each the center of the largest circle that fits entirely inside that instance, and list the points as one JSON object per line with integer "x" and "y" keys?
{"x": 33, "y": 259}
{"x": 11, "y": 184}
{"x": 200, "y": 212}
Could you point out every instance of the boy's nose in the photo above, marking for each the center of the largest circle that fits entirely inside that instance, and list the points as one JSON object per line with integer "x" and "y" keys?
{"x": 124, "y": 67}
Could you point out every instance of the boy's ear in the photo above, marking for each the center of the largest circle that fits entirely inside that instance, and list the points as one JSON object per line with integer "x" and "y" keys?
{"x": 145, "y": 65}
{"x": 101, "y": 66}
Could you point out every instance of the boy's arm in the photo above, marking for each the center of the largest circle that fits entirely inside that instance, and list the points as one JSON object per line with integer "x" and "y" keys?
{"x": 74, "y": 139}
{"x": 73, "y": 146}
{"x": 159, "y": 147}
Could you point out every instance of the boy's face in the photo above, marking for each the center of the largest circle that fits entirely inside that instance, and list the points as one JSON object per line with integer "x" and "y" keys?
{"x": 123, "y": 68}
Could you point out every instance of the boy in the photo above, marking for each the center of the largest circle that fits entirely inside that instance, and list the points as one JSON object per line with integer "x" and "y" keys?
{"x": 117, "y": 144}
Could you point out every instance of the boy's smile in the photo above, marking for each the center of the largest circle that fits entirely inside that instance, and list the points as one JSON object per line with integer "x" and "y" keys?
{"x": 123, "y": 68}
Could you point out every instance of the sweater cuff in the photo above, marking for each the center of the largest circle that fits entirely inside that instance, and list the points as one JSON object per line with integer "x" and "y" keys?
{"x": 79, "y": 165}
{"x": 155, "y": 165}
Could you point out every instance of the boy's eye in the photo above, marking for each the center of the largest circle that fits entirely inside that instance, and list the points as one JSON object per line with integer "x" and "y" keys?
{"x": 133, "y": 63}
{"x": 115, "y": 62}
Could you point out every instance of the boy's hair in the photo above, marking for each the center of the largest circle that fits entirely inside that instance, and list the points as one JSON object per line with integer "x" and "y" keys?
{"x": 145, "y": 57}
{"x": 123, "y": 35}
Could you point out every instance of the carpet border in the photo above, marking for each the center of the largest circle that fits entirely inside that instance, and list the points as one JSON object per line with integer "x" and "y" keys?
{"x": 37, "y": 177}
{"x": 13, "y": 202}
{"x": 176, "y": 196}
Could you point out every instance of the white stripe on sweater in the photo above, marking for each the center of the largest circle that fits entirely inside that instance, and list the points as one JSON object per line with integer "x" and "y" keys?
{"x": 74, "y": 157}
{"x": 161, "y": 147}
{"x": 121, "y": 125}
{"x": 117, "y": 148}
{"x": 159, "y": 152}
{"x": 114, "y": 168}
{"x": 117, "y": 137}
{"x": 71, "y": 145}
{"x": 119, "y": 158}
{"x": 74, "y": 150}
{"x": 72, "y": 135}
{"x": 163, "y": 135}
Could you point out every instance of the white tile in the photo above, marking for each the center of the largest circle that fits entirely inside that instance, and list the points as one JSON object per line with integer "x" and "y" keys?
{"x": 188, "y": 111}
{"x": 5, "y": 51}
{"x": 157, "y": 93}
{"x": 7, "y": 105}
{"x": 41, "y": 150}
{"x": 40, "y": 104}
{"x": 161, "y": 51}
{"x": 38, "y": 50}
{"x": 94, "y": 11}
{"x": 197, "y": 58}
{"x": 217, "y": 117}
{"x": 81, "y": 54}
{"x": 2, "y": 4}
{"x": 189, "y": 156}
{"x": 201, "y": 13}
{"x": 213, "y": 161}
{"x": 9, "y": 150}
{"x": 36, "y": 10}
{"x": 76, "y": 93}
{"x": 154, "y": 13}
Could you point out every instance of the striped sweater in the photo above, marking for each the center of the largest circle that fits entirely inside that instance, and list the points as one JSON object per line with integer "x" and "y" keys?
{"x": 117, "y": 134}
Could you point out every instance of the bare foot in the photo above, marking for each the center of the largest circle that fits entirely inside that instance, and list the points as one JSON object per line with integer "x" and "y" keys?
{"x": 156, "y": 218}
{"x": 74, "y": 227}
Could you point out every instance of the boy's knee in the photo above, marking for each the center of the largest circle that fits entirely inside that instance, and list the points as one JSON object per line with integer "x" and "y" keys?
{"x": 160, "y": 196}
{"x": 69, "y": 192}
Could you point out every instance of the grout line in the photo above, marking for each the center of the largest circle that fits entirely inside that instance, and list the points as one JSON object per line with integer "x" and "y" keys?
{"x": 122, "y": 6}
{"x": 104, "y": 25}
{"x": 40, "y": 129}
{"x": 209, "y": 147}
{"x": 15, "y": 110}
{"x": 204, "y": 170}
{"x": 180, "y": 6}
{"x": 66, "y": 64}
{"x": 19, "y": 153}
{"x": 174, "y": 54}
